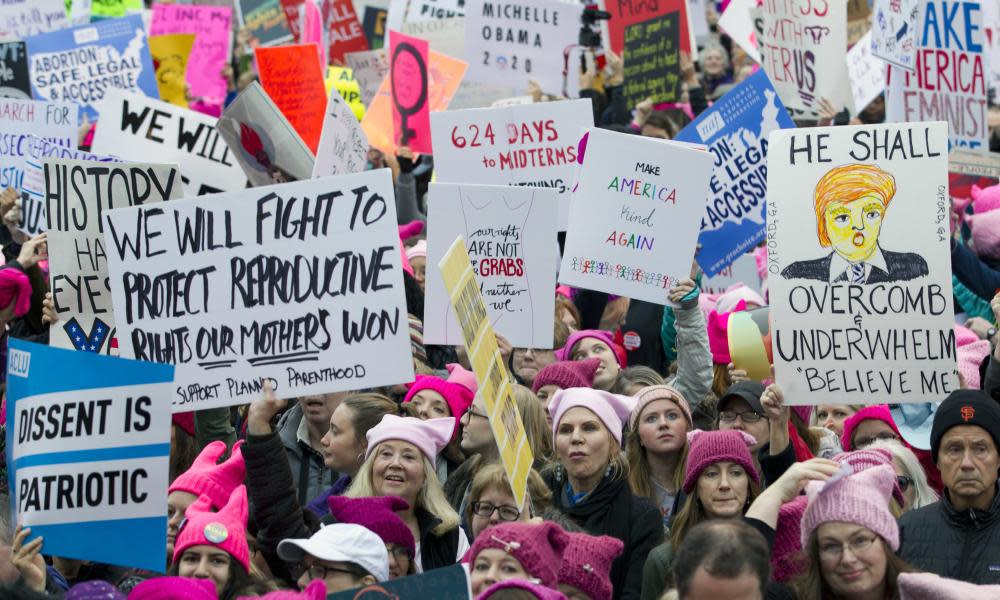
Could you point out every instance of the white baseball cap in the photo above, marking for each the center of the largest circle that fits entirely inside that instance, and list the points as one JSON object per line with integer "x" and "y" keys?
{"x": 341, "y": 542}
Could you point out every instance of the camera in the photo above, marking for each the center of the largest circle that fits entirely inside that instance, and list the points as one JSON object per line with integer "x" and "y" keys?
{"x": 590, "y": 36}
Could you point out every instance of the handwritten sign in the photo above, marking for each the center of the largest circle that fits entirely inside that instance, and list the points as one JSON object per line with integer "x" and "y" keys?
{"x": 409, "y": 81}
{"x": 738, "y": 23}
{"x": 633, "y": 220}
{"x": 138, "y": 126}
{"x": 894, "y": 32}
{"x": 265, "y": 22}
{"x": 292, "y": 77}
{"x": 859, "y": 264}
{"x": 14, "y": 79}
{"x": 306, "y": 282}
{"x": 369, "y": 69}
{"x": 735, "y": 129}
{"x": 211, "y": 26}
{"x": 343, "y": 29}
{"x": 343, "y": 147}
{"x": 24, "y": 18}
{"x": 94, "y": 487}
{"x": 170, "y": 59}
{"x": 433, "y": 10}
{"x": 867, "y": 74}
{"x": 630, "y": 12}
{"x": 652, "y": 60}
{"x": 510, "y": 235}
{"x": 950, "y": 79}
{"x": 82, "y": 63}
{"x": 342, "y": 80}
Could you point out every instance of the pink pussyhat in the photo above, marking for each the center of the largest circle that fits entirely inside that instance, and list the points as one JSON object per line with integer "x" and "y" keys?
{"x": 718, "y": 334}
{"x": 174, "y": 588}
{"x": 316, "y": 590}
{"x": 971, "y": 351}
{"x": 207, "y": 478}
{"x": 612, "y": 409}
{"x": 15, "y": 287}
{"x": 458, "y": 397}
{"x": 586, "y": 564}
{"x": 428, "y": 436}
{"x": 860, "y": 499}
{"x": 985, "y": 199}
{"x": 417, "y": 250}
{"x": 985, "y": 233}
{"x": 225, "y": 530}
{"x": 538, "y": 591}
{"x": 736, "y": 293}
{"x": 462, "y": 376}
{"x": 538, "y": 547}
{"x": 567, "y": 374}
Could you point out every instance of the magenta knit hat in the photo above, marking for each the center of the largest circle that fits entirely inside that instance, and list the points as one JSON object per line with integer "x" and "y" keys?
{"x": 586, "y": 564}
{"x": 316, "y": 590}
{"x": 207, "y": 477}
{"x": 226, "y": 529}
{"x": 15, "y": 287}
{"x": 463, "y": 377}
{"x": 705, "y": 448}
{"x": 858, "y": 498}
{"x": 718, "y": 334}
{"x": 877, "y": 412}
{"x": 567, "y": 374}
{"x": 612, "y": 409}
{"x": 566, "y": 352}
{"x": 928, "y": 586}
{"x": 538, "y": 591}
{"x": 457, "y": 396}
{"x": 429, "y": 436}
{"x": 659, "y": 392}
{"x": 174, "y": 588}
{"x": 538, "y": 547}
{"x": 376, "y": 514}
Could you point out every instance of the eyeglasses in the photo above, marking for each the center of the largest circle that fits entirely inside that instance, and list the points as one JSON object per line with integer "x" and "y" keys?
{"x": 728, "y": 416}
{"x": 473, "y": 413}
{"x": 884, "y": 435}
{"x": 904, "y": 482}
{"x": 400, "y": 553}
{"x": 505, "y": 512}
{"x": 322, "y": 572}
{"x": 835, "y": 550}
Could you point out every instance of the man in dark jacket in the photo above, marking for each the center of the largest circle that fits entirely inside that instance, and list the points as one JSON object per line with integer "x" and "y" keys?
{"x": 959, "y": 537}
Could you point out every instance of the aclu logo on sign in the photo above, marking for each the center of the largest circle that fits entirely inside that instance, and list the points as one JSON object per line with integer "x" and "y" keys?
{"x": 710, "y": 125}
{"x": 18, "y": 362}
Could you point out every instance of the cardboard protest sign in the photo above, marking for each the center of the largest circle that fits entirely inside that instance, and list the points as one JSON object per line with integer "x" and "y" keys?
{"x": 867, "y": 73}
{"x": 343, "y": 29}
{"x": 76, "y": 195}
{"x": 490, "y": 369}
{"x": 894, "y": 32}
{"x": 78, "y": 11}
{"x": 264, "y": 21}
{"x": 510, "y": 235}
{"x": 433, "y": 10}
{"x": 369, "y": 70}
{"x": 306, "y": 281}
{"x": 967, "y": 168}
{"x": 634, "y": 217}
{"x": 530, "y": 144}
{"x": 742, "y": 270}
{"x": 409, "y": 80}
{"x": 652, "y": 60}
{"x": 950, "y": 79}
{"x": 738, "y": 23}
{"x": 374, "y": 25}
{"x": 211, "y": 25}
{"x": 170, "y": 59}
{"x": 264, "y": 143}
{"x": 513, "y": 43}
{"x": 89, "y": 453}
{"x": 448, "y": 583}
{"x": 343, "y": 147}
{"x": 859, "y": 264}
{"x": 111, "y": 9}
{"x": 137, "y": 126}
{"x": 82, "y": 63}
{"x": 14, "y": 80}
{"x": 735, "y": 129}
{"x": 630, "y": 12}
{"x": 293, "y": 79}
{"x": 342, "y": 80}
{"x": 24, "y": 18}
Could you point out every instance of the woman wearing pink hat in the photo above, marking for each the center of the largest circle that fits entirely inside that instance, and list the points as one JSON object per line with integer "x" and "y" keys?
{"x": 517, "y": 551}
{"x": 590, "y": 480}
{"x": 596, "y": 343}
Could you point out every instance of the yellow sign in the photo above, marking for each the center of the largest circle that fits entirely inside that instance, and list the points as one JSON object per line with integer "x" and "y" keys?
{"x": 170, "y": 57}
{"x": 491, "y": 373}
{"x": 342, "y": 78}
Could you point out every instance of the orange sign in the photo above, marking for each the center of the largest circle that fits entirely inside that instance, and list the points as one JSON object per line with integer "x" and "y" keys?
{"x": 292, "y": 77}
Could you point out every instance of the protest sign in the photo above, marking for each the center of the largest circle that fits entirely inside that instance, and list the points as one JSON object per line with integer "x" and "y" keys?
{"x": 264, "y": 143}
{"x": 991, "y": 30}
{"x": 630, "y": 12}
{"x": 510, "y": 235}
{"x": 76, "y": 195}
{"x": 211, "y": 25}
{"x": 88, "y": 443}
{"x": 894, "y": 32}
{"x": 343, "y": 29}
{"x": 867, "y": 74}
{"x": 14, "y": 80}
{"x": 634, "y": 217}
{"x": 293, "y": 14}
{"x": 447, "y": 583}
{"x": 491, "y": 373}
{"x": 373, "y": 23}
{"x": 343, "y": 147}
{"x": 111, "y": 9}
{"x": 433, "y": 10}
{"x": 409, "y": 80}
{"x": 24, "y": 18}
{"x": 138, "y": 126}
{"x": 293, "y": 79}
{"x": 78, "y": 11}
{"x": 967, "y": 168}
{"x": 652, "y": 60}
{"x": 513, "y": 43}
{"x": 735, "y": 129}
{"x": 861, "y": 304}
{"x": 530, "y": 144}
{"x": 342, "y": 80}
{"x": 738, "y": 23}
{"x": 170, "y": 54}
{"x": 369, "y": 69}
{"x": 950, "y": 79}
{"x": 264, "y": 21}
{"x": 803, "y": 52}
{"x": 306, "y": 280}
{"x": 82, "y": 63}
{"x": 743, "y": 270}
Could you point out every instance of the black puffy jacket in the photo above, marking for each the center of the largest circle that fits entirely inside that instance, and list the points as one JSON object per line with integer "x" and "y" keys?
{"x": 956, "y": 544}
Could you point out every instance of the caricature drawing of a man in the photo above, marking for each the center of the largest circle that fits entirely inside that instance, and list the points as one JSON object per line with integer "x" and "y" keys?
{"x": 850, "y": 204}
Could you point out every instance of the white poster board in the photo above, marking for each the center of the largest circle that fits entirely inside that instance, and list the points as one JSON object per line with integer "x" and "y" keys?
{"x": 369, "y": 68}
{"x": 894, "y": 32}
{"x": 737, "y": 22}
{"x": 343, "y": 146}
{"x": 433, "y": 10}
{"x": 861, "y": 301}
{"x": 867, "y": 73}
{"x": 635, "y": 217}
{"x": 306, "y": 289}
{"x": 510, "y": 234}
{"x": 24, "y": 18}
{"x": 742, "y": 270}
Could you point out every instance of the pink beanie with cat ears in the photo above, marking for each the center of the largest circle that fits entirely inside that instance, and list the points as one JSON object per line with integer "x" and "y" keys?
{"x": 207, "y": 477}
{"x": 611, "y": 409}
{"x": 429, "y": 436}
{"x": 706, "y": 448}
{"x": 861, "y": 499}
{"x": 985, "y": 199}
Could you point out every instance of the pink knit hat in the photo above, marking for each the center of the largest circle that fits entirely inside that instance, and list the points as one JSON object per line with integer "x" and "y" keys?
{"x": 462, "y": 376}
{"x": 586, "y": 564}
{"x": 566, "y": 352}
{"x": 659, "y": 392}
{"x": 316, "y": 590}
{"x": 706, "y": 448}
{"x": 718, "y": 334}
{"x": 538, "y": 547}
{"x": 174, "y": 588}
{"x": 878, "y": 412}
{"x": 985, "y": 229}
{"x": 418, "y": 249}
{"x": 566, "y": 374}
{"x": 15, "y": 287}
{"x": 971, "y": 352}
{"x": 928, "y": 586}
{"x": 429, "y": 436}
{"x": 207, "y": 477}
{"x": 612, "y": 409}
{"x": 457, "y": 396}
{"x": 538, "y": 591}
{"x": 730, "y": 300}
{"x": 858, "y": 498}
{"x": 376, "y": 514}
{"x": 226, "y": 529}
{"x": 985, "y": 199}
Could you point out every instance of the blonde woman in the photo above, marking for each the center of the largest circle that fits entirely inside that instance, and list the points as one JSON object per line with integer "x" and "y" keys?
{"x": 910, "y": 476}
